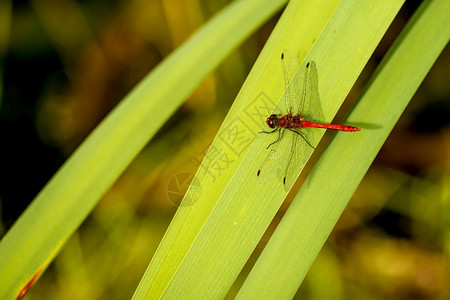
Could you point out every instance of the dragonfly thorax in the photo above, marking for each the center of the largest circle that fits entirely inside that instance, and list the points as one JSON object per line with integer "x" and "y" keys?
{"x": 288, "y": 121}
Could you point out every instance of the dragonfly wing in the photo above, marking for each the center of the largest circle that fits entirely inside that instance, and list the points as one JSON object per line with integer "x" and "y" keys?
{"x": 294, "y": 165}
{"x": 290, "y": 68}
{"x": 311, "y": 108}
{"x": 276, "y": 159}
{"x": 300, "y": 153}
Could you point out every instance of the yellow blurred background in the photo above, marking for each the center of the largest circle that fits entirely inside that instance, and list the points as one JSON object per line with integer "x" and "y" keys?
{"x": 67, "y": 63}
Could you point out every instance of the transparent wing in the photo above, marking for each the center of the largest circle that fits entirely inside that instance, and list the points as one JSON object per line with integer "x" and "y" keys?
{"x": 294, "y": 148}
{"x": 299, "y": 155}
{"x": 311, "y": 108}
{"x": 290, "y": 68}
{"x": 275, "y": 161}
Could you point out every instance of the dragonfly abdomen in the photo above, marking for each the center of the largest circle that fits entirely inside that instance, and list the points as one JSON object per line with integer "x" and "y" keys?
{"x": 329, "y": 126}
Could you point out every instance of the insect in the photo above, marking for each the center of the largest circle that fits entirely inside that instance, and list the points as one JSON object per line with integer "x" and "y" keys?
{"x": 294, "y": 143}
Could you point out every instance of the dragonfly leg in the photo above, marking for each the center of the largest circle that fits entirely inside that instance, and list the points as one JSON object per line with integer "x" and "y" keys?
{"x": 278, "y": 138}
{"x": 302, "y": 137}
{"x": 269, "y": 131}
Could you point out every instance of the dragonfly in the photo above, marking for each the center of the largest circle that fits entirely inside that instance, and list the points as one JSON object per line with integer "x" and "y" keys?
{"x": 296, "y": 136}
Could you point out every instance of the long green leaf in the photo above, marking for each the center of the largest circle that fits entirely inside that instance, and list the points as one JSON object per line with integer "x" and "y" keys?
{"x": 227, "y": 210}
{"x": 301, "y": 234}
{"x": 72, "y": 193}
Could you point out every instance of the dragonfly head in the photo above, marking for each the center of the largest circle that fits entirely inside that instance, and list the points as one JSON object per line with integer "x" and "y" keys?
{"x": 273, "y": 121}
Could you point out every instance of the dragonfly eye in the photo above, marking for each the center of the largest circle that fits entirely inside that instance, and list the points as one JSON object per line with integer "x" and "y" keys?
{"x": 272, "y": 121}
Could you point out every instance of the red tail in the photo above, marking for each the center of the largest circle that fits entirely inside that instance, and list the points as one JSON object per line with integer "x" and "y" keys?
{"x": 330, "y": 126}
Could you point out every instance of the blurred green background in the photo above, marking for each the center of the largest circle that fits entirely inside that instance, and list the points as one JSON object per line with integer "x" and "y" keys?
{"x": 65, "y": 64}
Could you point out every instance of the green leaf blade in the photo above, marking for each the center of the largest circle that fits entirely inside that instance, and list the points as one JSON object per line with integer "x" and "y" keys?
{"x": 72, "y": 193}
{"x": 231, "y": 215}
{"x": 298, "y": 239}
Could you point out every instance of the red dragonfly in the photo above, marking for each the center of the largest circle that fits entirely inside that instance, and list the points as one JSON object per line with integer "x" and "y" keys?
{"x": 303, "y": 113}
